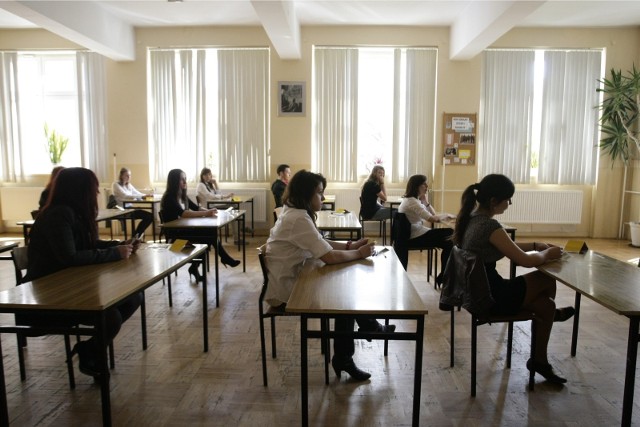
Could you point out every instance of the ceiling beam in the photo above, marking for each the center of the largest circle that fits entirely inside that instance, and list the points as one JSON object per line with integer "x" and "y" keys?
{"x": 82, "y": 22}
{"x": 484, "y": 22}
{"x": 281, "y": 24}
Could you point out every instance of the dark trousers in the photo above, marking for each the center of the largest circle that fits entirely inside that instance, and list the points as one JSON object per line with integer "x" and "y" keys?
{"x": 146, "y": 219}
{"x": 438, "y": 238}
{"x": 344, "y": 347}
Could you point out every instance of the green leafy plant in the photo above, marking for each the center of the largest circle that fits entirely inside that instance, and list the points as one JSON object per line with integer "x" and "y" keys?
{"x": 619, "y": 119}
{"x": 56, "y": 144}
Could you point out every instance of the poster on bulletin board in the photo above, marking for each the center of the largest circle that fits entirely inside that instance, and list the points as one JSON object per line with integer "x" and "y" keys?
{"x": 459, "y": 139}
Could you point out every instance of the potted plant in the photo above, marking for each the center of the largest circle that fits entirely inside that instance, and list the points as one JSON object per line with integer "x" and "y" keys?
{"x": 620, "y": 107}
{"x": 55, "y": 144}
{"x": 619, "y": 126}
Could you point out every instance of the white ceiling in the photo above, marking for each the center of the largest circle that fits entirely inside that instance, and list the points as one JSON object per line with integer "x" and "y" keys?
{"x": 107, "y": 26}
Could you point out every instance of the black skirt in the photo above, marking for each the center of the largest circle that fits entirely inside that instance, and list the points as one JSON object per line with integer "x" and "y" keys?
{"x": 507, "y": 293}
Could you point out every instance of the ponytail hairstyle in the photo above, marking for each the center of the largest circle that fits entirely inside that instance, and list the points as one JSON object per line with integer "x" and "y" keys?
{"x": 301, "y": 189}
{"x": 492, "y": 190}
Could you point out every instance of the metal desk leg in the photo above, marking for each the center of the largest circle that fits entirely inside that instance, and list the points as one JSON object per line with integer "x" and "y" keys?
{"x": 4, "y": 409}
{"x": 303, "y": 370}
{"x": 244, "y": 246}
{"x": 630, "y": 375}
{"x": 417, "y": 379}
{"x": 576, "y": 322}
{"x": 205, "y": 304}
{"x": 215, "y": 251}
{"x": 101, "y": 337}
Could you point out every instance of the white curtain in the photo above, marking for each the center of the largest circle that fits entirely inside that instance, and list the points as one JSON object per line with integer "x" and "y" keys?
{"x": 162, "y": 113}
{"x": 92, "y": 113}
{"x": 506, "y": 112}
{"x": 11, "y": 159}
{"x": 335, "y": 113}
{"x": 416, "y": 143}
{"x": 243, "y": 128}
{"x": 569, "y": 135}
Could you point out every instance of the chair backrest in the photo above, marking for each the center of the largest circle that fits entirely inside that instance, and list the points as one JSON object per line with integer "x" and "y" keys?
{"x": 111, "y": 202}
{"x": 34, "y": 213}
{"x": 198, "y": 201}
{"x": 20, "y": 259}
{"x": 400, "y": 235}
{"x": 262, "y": 252}
{"x": 465, "y": 283}
{"x": 276, "y": 213}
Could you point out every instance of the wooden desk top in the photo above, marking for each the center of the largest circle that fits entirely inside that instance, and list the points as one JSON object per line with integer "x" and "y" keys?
{"x": 612, "y": 283}
{"x": 328, "y": 220}
{"x": 220, "y": 220}
{"x": 155, "y": 198}
{"x": 103, "y": 215}
{"x": 98, "y": 286}
{"x": 329, "y": 198}
{"x": 7, "y": 246}
{"x": 394, "y": 200}
{"x": 236, "y": 198}
{"x": 376, "y": 285}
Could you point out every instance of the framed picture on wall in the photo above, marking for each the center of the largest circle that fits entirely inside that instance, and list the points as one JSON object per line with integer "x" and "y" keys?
{"x": 292, "y": 99}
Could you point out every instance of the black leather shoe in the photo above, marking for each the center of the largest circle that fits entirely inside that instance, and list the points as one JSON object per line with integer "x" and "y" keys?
{"x": 379, "y": 328}
{"x": 88, "y": 364}
{"x": 350, "y": 368}
{"x": 546, "y": 371}
{"x": 564, "y": 313}
{"x": 230, "y": 262}
{"x": 193, "y": 271}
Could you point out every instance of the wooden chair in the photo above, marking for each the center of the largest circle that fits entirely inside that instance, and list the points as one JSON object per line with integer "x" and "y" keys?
{"x": 382, "y": 224}
{"x": 271, "y": 313}
{"x": 402, "y": 245}
{"x": 276, "y": 214}
{"x": 477, "y": 282}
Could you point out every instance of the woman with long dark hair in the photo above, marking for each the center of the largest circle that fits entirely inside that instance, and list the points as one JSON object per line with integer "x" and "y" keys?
{"x": 415, "y": 205}
{"x": 295, "y": 238}
{"x": 176, "y": 204}
{"x": 122, "y": 189}
{"x": 47, "y": 189}
{"x": 478, "y": 232}
{"x": 65, "y": 234}
{"x": 373, "y": 192}
{"x": 208, "y": 190}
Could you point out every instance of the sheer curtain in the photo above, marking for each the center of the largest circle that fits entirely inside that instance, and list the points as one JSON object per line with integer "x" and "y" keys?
{"x": 335, "y": 113}
{"x": 11, "y": 159}
{"x": 506, "y": 112}
{"x": 243, "y": 128}
{"x": 162, "y": 113}
{"x": 569, "y": 135}
{"x": 92, "y": 112}
{"x": 413, "y": 149}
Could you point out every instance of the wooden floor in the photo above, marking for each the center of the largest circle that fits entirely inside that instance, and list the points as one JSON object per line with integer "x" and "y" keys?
{"x": 173, "y": 383}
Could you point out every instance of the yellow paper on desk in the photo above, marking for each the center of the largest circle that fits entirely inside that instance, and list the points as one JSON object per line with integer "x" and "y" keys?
{"x": 178, "y": 245}
{"x": 235, "y": 199}
{"x": 576, "y": 246}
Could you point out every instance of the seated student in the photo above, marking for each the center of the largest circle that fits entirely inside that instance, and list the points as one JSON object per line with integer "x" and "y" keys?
{"x": 415, "y": 205}
{"x": 176, "y": 204}
{"x": 372, "y": 191}
{"x": 207, "y": 189}
{"x": 123, "y": 189}
{"x": 45, "y": 193}
{"x": 280, "y": 184}
{"x": 478, "y": 232}
{"x": 65, "y": 234}
{"x": 295, "y": 238}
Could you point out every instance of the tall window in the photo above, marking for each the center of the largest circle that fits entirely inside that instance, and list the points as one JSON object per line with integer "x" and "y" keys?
{"x": 209, "y": 107}
{"x": 373, "y": 106}
{"x": 65, "y": 90}
{"x": 538, "y": 118}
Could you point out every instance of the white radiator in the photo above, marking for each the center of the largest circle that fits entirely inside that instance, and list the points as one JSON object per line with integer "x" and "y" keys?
{"x": 544, "y": 207}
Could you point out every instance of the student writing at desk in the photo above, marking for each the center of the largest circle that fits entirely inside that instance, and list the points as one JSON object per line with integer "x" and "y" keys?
{"x": 478, "y": 232}
{"x": 65, "y": 234}
{"x": 176, "y": 204}
{"x": 293, "y": 239}
{"x": 123, "y": 189}
{"x": 207, "y": 189}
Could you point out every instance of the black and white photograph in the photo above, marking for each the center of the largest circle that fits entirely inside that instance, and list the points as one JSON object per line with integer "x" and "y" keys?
{"x": 292, "y": 99}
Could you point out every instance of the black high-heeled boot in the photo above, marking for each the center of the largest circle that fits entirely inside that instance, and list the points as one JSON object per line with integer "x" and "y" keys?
{"x": 350, "y": 368}
{"x": 225, "y": 258}
{"x": 193, "y": 271}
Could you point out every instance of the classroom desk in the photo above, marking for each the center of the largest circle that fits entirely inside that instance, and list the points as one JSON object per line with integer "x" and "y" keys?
{"x": 103, "y": 215}
{"x": 7, "y": 246}
{"x": 92, "y": 289}
{"x": 205, "y": 230}
{"x": 332, "y": 222}
{"x": 234, "y": 201}
{"x": 376, "y": 287}
{"x": 147, "y": 203}
{"x": 329, "y": 202}
{"x": 613, "y": 284}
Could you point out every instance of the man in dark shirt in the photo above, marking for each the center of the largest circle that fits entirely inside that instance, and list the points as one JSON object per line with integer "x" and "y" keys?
{"x": 279, "y": 185}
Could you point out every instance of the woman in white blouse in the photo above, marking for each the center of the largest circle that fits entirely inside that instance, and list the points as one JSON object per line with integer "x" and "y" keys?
{"x": 415, "y": 205}
{"x": 294, "y": 239}
{"x": 123, "y": 189}
{"x": 207, "y": 189}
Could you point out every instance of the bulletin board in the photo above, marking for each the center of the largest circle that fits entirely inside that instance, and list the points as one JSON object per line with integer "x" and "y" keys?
{"x": 459, "y": 139}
